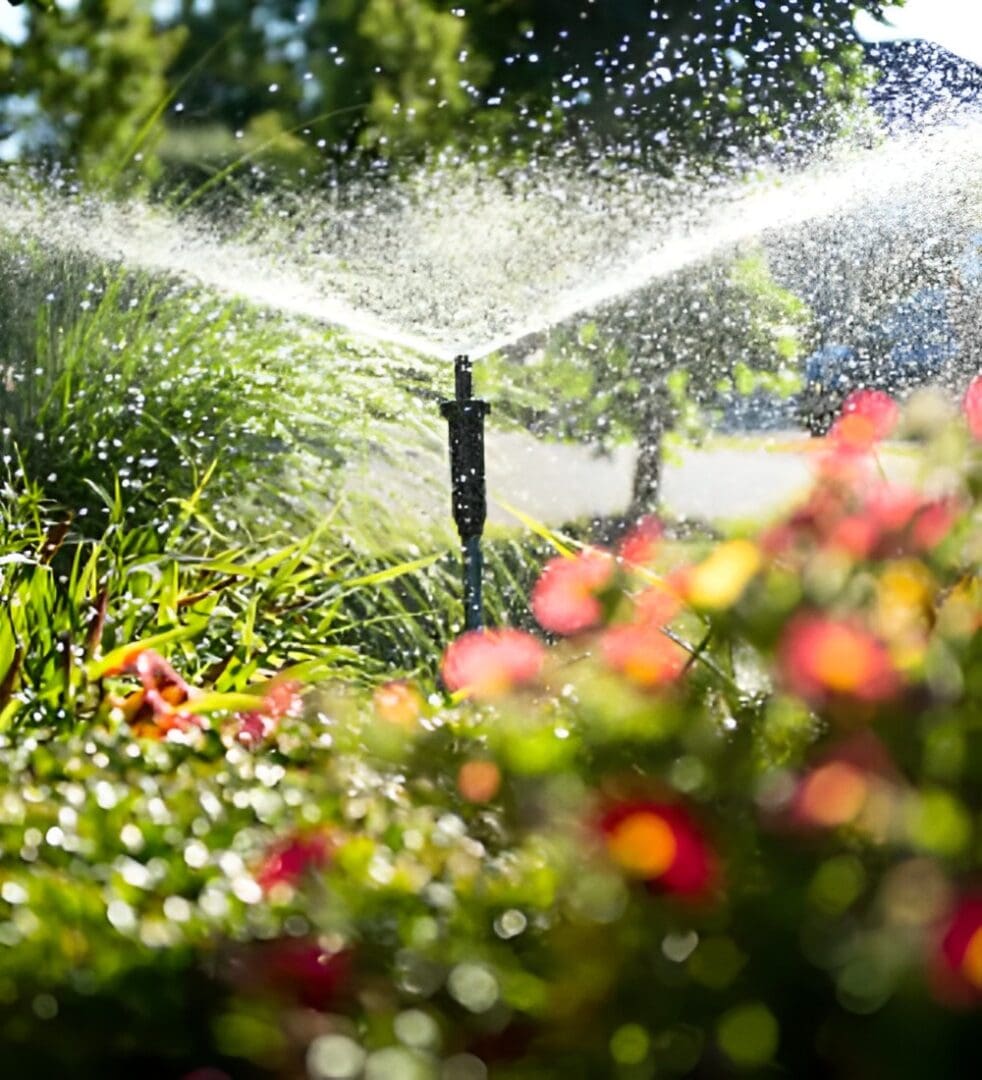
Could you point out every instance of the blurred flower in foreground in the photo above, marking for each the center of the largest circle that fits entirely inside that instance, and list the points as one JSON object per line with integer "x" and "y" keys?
{"x": 289, "y": 859}
{"x": 639, "y": 546}
{"x": 660, "y": 844}
{"x": 973, "y": 408}
{"x": 719, "y": 580}
{"x": 867, "y": 417}
{"x": 398, "y": 703}
{"x": 961, "y": 949}
{"x": 863, "y": 517}
{"x": 160, "y": 705}
{"x": 644, "y": 654}
{"x": 300, "y": 968}
{"x": 565, "y": 599}
{"x": 488, "y": 663}
{"x": 657, "y": 605}
{"x": 281, "y": 699}
{"x": 855, "y": 784}
{"x": 824, "y": 658}
{"x": 478, "y": 781}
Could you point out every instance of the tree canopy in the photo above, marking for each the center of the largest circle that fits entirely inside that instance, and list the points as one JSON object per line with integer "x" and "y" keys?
{"x": 408, "y": 76}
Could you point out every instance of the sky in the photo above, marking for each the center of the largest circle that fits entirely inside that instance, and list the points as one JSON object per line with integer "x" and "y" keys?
{"x": 955, "y": 24}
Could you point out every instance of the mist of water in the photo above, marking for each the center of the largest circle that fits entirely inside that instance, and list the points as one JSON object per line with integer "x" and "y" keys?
{"x": 472, "y": 264}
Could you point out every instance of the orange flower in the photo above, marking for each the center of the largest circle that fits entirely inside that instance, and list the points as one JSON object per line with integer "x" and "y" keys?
{"x": 644, "y": 654}
{"x": 831, "y": 795}
{"x": 660, "y": 843}
{"x": 478, "y": 781}
{"x": 822, "y": 657}
{"x": 961, "y": 946}
{"x": 856, "y": 783}
{"x": 867, "y": 417}
{"x": 488, "y": 663}
{"x": 157, "y": 707}
{"x": 398, "y": 703}
{"x": 973, "y": 408}
{"x": 565, "y": 598}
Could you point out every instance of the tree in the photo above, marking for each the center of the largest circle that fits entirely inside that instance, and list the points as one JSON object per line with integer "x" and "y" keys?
{"x": 680, "y": 347}
{"x": 408, "y": 76}
{"x": 671, "y": 75}
{"x": 82, "y": 85}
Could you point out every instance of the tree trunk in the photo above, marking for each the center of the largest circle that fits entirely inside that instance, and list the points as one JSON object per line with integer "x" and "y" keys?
{"x": 655, "y": 411}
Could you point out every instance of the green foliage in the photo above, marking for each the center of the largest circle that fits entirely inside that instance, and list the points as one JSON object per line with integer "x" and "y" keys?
{"x": 95, "y": 75}
{"x": 122, "y": 376}
{"x": 410, "y": 76}
{"x": 682, "y": 345}
{"x": 352, "y": 892}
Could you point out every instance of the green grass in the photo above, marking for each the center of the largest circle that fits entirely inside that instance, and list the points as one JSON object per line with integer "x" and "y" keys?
{"x": 181, "y": 465}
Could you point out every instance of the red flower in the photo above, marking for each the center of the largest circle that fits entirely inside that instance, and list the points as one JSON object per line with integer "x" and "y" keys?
{"x": 973, "y": 408}
{"x": 961, "y": 948}
{"x": 565, "y": 598}
{"x": 301, "y": 968}
{"x": 644, "y": 654}
{"x": 288, "y": 860}
{"x": 639, "y": 546}
{"x": 933, "y": 522}
{"x": 488, "y": 663}
{"x": 824, "y": 658}
{"x": 867, "y": 417}
{"x": 661, "y": 844}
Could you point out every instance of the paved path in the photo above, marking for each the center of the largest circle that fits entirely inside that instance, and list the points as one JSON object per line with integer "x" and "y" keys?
{"x": 729, "y": 480}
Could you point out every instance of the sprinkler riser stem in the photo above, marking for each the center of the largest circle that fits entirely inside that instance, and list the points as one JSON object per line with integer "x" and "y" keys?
{"x": 465, "y": 418}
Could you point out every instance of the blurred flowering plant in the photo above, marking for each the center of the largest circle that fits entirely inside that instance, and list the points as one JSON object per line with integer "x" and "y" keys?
{"x": 725, "y": 820}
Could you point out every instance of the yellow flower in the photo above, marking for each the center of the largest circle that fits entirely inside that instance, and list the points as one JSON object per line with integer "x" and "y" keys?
{"x": 719, "y": 581}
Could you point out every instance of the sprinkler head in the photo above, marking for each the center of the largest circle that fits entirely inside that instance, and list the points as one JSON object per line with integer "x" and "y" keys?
{"x": 465, "y": 417}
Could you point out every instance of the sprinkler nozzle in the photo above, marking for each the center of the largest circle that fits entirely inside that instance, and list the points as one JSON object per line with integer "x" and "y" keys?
{"x": 465, "y": 417}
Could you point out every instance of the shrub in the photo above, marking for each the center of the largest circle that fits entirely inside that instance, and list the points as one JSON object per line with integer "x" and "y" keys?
{"x": 729, "y": 824}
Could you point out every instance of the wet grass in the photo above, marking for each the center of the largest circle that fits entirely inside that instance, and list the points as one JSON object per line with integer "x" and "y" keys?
{"x": 182, "y": 466}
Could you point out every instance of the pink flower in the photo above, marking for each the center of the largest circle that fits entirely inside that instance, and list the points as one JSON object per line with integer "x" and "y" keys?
{"x": 281, "y": 699}
{"x": 643, "y": 654}
{"x": 488, "y": 663}
{"x": 824, "y": 658}
{"x": 973, "y": 408}
{"x": 565, "y": 599}
{"x": 639, "y": 546}
{"x": 867, "y": 417}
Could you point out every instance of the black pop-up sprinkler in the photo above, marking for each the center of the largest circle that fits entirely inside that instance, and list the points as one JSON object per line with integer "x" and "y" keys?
{"x": 465, "y": 416}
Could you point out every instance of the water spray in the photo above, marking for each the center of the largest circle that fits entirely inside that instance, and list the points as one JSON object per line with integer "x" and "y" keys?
{"x": 465, "y": 417}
